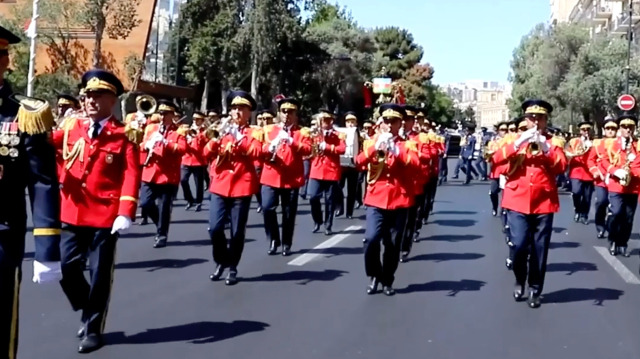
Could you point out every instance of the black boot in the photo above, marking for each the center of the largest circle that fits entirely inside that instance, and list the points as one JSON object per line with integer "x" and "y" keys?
{"x": 372, "y": 288}
{"x": 534, "y": 300}
{"x": 273, "y": 248}
{"x": 217, "y": 273}
{"x": 232, "y": 277}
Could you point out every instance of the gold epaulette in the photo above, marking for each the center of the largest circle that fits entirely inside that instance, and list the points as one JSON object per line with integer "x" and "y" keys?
{"x": 342, "y": 136}
{"x": 411, "y": 145}
{"x": 36, "y": 119}
{"x": 432, "y": 137}
{"x": 182, "y": 130}
{"x": 558, "y": 141}
{"x": 507, "y": 139}
{"x": 305, "y": 131}
{"x": 596, "y": 142}
{"x": 441, "y": 139}
{"x": 366, "y": 145}
{"x": 423, "y": 137}
{"x": 257, "y": 133}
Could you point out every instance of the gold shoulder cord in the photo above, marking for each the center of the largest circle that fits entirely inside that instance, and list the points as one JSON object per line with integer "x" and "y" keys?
{"x": 77, "y": 151}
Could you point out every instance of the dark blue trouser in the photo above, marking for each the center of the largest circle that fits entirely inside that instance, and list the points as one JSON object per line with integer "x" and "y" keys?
{"x": 349, "y": 179}
{"x": 494, "y": 192}
{"x": 12, "y": 243}
{"x": 530, "y": 234}
{"x": 259, "y": 193}
{"x": 469, "y": 170}
{"x": 271, "y": 198}
{"x": 318, "y": 188}
{"x": 307, "y": 171}
{"x": 386, "y": 226}
{"x": 198, "y": 173}
{"x": 414, "y": 223}
{"x": 444, "y": 169}
{"x": 161, "y": 216}
{"x": 623, "y": 208}
{"x": 601, "y": 208}
{"x": 228, "y": 254}
{"x": 581, "y": 192}
{"x": 92, "y": 298}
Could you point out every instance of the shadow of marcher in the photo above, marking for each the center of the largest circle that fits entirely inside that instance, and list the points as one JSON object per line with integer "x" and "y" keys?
{"x": 157, "y": 264}
{"x": 194, "y": 333}
{"x": 453, "y": 287}
{"x": 569, "y": 295}
{"x": 444, "y": 257}
{"x": 572, "y": 267}
{"x": 304, "y": 277}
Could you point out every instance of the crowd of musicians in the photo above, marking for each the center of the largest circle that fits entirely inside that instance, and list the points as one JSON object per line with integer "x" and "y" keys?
{"x": 87, "y": 174}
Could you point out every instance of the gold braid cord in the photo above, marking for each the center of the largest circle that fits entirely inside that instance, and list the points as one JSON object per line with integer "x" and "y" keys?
{"x": 70, "y": 156}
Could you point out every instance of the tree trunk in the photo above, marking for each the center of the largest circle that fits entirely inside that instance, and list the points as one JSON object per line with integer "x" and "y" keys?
{"x": 254, "y": 77}
{"x": 223, "y": 97}
{"x": 205, "y": 94}
{"x": 97, "y": 49}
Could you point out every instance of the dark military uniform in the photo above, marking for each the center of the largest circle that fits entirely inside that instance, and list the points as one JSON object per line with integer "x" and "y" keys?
{"x": 27, "y": 161}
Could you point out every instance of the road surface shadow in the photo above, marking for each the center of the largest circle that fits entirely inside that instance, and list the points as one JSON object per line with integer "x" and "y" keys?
{"x": 138, "y": 235}
{"x": 304, "y": 277}
{"x": 559, "y": 229}
{"x": 194, "y": 333}
{"x": 444, "y": 257}
{"x": 158, "y": 264}
{"x": 569, "y": 295}
{"x": 572, "y": 267}
{"x": 453, "y": 287}
{"x": 455, "y": 222}
{"x": 189, "y": 221}
{"x": 556, "y": 245}
{"x": 337, "y": 251}
{"x": 455, "y": 212}
{"x": 453, "y": 237}
{"x": 198, "y": 243}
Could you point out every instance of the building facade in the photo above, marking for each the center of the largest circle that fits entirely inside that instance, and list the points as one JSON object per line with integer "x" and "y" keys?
{"x": 561, "y": 9}
{"x": 488, "y": 99}
{"x": 602, "y": 17}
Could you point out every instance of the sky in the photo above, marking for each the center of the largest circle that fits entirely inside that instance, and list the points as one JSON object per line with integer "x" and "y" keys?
{"x": 462, "y": 39}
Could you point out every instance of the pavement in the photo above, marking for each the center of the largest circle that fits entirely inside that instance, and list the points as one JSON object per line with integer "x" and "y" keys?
{"x": 454, "y": 297}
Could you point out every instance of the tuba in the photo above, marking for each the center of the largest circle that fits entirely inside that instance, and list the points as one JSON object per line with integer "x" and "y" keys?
{"x": 534, "y": 147}
{"x": 146, "y": 104}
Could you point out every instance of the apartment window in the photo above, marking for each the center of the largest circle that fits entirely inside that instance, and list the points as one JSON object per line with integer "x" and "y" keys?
{"x": 494, "y": 97}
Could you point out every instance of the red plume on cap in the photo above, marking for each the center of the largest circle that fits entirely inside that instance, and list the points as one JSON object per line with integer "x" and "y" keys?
{"x": 366, "y": 94}
{"x": 278, "y": 97}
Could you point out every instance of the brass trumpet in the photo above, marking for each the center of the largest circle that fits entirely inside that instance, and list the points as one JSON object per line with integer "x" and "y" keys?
{"x": 146, "y": 104}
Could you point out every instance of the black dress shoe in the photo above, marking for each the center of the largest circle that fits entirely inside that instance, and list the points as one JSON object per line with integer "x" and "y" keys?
{"x": 259, "y": 209}
{"x": 286, "y": 250}
{"x": 232, "y": 277}
{"x": 349, "y": 216}
{"x": 217, "y": 273}
{"x": 600, "y": 234}
{"x": 160, "y": 242}
{"x": 585, "y": 220}
{"x": 372, "y": 288}
{"x": 494, "y": 213}
{"x": 404, "y": 257}
{"x": 518, "y": 293}
{"x": 425, "y": 222}
{"x": 358, "y": 205}
{"x": 316, "y": 228}
{"x": 273, "y": 248}
{"x": 576, "y": 218}
{"x": 339, "y": 213}
{"x": 90, "y": 343}
{"x": 144, "y": 222}
{"x": 534, "y": 300}
{"x": 388, "y": 290}
{"x": 613, "y": 249}
{"x": 508, "y": 263}
{"x": 328, "y": 232}
{"x": 80, "y": 332}
{"x": 364, "y": 240}
{"x": 623, "y": 252}
{"x": 198, "y": 207}
{"x": 188, "y": 206}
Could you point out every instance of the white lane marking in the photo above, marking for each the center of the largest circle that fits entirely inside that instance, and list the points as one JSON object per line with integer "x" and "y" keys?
{"x": 308, "y": 257}
{"x": 622, "y": 270}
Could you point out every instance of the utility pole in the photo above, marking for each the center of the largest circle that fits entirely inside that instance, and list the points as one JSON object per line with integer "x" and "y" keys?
{"x": 629, "y": 38}
{"x": 32, "y": 33}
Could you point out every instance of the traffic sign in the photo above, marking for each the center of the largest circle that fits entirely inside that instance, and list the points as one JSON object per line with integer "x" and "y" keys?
{"x": 626, "y": 102}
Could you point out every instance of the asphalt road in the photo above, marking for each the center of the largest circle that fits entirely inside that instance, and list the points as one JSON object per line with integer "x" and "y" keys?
{"x": 453, "y": 301}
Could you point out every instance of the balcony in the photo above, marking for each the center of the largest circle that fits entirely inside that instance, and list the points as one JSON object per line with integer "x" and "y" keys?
{"x": 601, "y": 12}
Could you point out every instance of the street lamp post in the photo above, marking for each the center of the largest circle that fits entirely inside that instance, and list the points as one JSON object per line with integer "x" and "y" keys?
{"x": 629, "y": 37}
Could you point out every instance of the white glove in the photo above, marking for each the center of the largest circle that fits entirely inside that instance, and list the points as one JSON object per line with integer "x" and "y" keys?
{"x": 322, "y": 146}
{"x": 273, "y": 146}
{"x": 46, "y": 272}
{"x": 157, "y": 137}
{"x": 286, "y": 138}
{"x": 526, "y": 136}
{"x": 121, "y": 224}
{"x": 394, "y": 149}
{"x": 620, "y": 173}
{"x": 150, "y": 145}
{"x": 238, "y": 135}
{"x": 544, "y": 146}
{"x": 381, "y": 144}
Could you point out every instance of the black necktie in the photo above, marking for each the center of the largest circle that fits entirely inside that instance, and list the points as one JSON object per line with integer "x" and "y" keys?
{"x": 96, "y": 130}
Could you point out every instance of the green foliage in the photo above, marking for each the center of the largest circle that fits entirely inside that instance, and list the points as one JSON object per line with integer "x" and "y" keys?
{"x": 397, "y": 52}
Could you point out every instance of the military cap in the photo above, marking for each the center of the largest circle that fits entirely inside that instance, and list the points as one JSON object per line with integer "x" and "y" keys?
{"x": 610, "y": 122}
{"x": 101, "y": 80}
{"x": 166, "y": 106}
{"x": 502, "y": 126}
{"x": 522, "y": 123}
{"x": 410, "y": 110}
{"x": 368, "y": 123}
{"x": 350, "y": 116}
{"x": 627, "y": 119}
{"x": 241, "y": 98}
{"x": 66, "y": 99}
{"x": 289, "y": 103}
{"x": 266, "y": 113}
{"x": 585, "y": 125}
{"x": 198, "y": 114}
{"x": 213, "y": 113}
{"x": 325, "y": 113}
{"x": 421, "y": 112}
{"x": 392, "y": 110}
{"x": 540, "y": 107}
{"x": 470, "y": 126}
{"x": 7, "y": 38}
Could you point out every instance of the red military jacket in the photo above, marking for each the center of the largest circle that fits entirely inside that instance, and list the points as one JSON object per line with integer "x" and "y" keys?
{"x": 616, "y": 158}
{"x": 578, "y": 167}
{"x": 531, "y": 179}
{"x": 232, "y": 170}
{"x": 258, "y": 130}
{"x": 287, "y": 168}
{"x": 594, "y": 160}
{"x": 326, "y": 164}
{"x": 164, "y": 165}
{"x": 437, "y": 142}
{"x": 194, "y": 156}
{"x": 100, "y": 179}
{"x": 427, "y": 152}
{"x": 496, "y": 169}
{"x": 390, "y": 183}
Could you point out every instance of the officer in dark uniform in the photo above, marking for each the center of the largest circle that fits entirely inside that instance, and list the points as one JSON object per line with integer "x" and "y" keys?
{"x": 27, "y": 160}
{"x": 467, "y": 153}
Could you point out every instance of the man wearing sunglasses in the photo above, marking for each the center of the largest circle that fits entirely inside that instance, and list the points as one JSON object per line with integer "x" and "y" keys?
{"x": 391, "y": 162}
{"x": 581, "y": 179}
{"x": 594, "y": 162}
{"x": 531, "y": 197}
{"x": 623, "y": 182}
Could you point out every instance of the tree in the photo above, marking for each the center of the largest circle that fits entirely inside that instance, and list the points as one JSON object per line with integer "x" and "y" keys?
{"x": 396, "y": 51}
{"x": 470, "y": 114}
{"x": 415, "y": 83}
{"x": 118, "y": 18}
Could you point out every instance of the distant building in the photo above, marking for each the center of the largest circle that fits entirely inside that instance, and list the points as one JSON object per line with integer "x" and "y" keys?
{"x": 488, "y": 99}
{"x": 561, "y": 9}
{"x": 601, "y": 17}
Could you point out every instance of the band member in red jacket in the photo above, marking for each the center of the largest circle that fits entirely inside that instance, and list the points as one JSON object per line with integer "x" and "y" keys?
{"x": 325, "y": 172}
{"x": 531, "y": 197}
{"x": 164, "y": 146}
{"x": 622, "y": 164}
{"x": 286, "y": 144}
{"x": 594, "y": 162}
{"x": 581, "y": 179}
{"x": 193, "y": 162}
{"x": 98, "y": 190}
{"x": 233, "y": 182}
{"x": 392, "y": 162}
